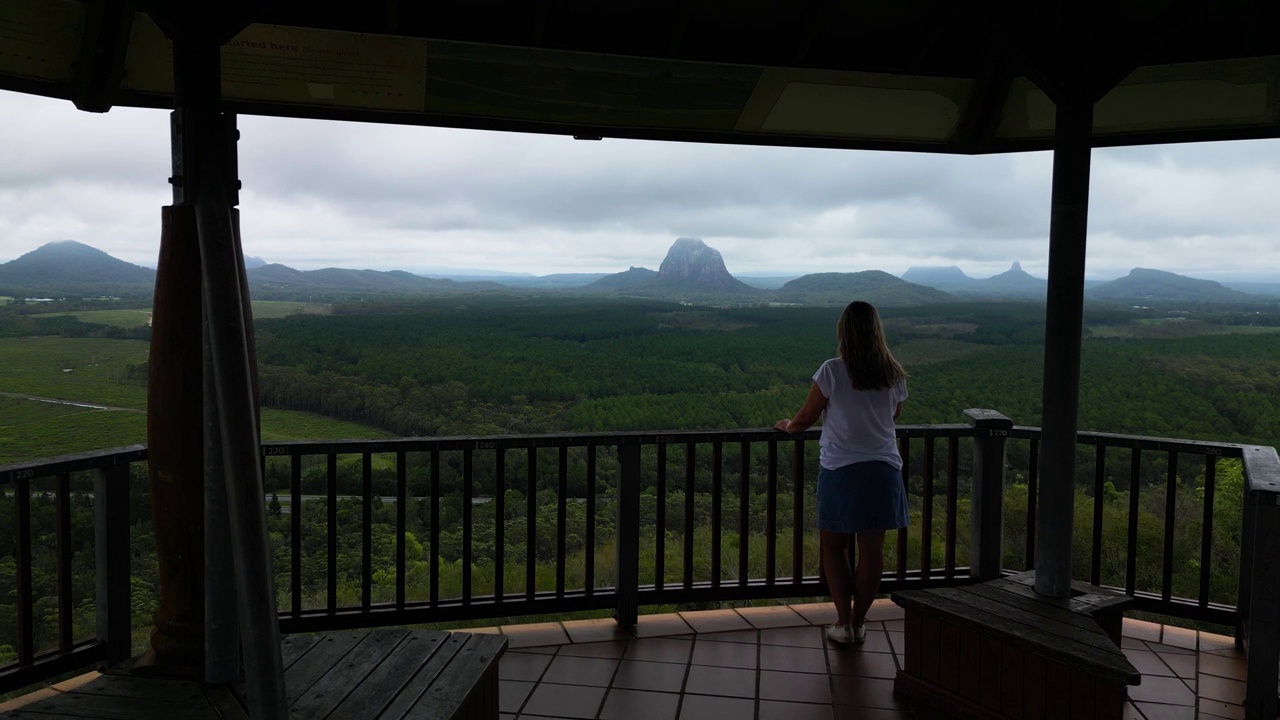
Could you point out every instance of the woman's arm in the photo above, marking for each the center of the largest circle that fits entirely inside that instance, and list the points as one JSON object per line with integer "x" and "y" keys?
{"x": 808, "y": 415}
{"x": 897, "y": 412}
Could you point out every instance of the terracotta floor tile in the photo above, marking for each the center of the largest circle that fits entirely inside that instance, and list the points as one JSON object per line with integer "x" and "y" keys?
{"x": 724, "y": 654}
{"x": 535, "y": 634}
{"x": 661, "y": 624}
{"x": 569, "y": 670}
{"x": 1179, "y": 637}
{"x": 1140, "y": 629}
{"x": 77, "y": 681}
{"x": 772, "y": 616}
{"x": 774, "y": 710}
{"x": 655, "y": 676}
{"x": 597, "y": 630}
{"x": 817, "y": 613}
{"x": 876, "y": 642}
{"x": 1223, "y": 666}
{"x": 1216, "y": 709}
{"x": 750, "y": 637}
{"x": 1168, "y": 649}
{"x": 1219, "y": 688}
{"x": 864, "y": 692}
{"x": 792, "y": 659}
{"x": 898, "y": 643}
{"x": 1155, "y": 711}
{"x": 1162, "y": 690}
{"x": 21, "y": 701}
{"x": 512, "y": 694}
{"x": 876, "y": 665}
{"x": 1184, "y": 666}
{"x": 797, "y": 687}
{"x": 729, "y": 682}
{"x": 706, "y": 621}
{"x": 639, "y": 705}
{"x": 803, "y": 636}
{"x": 703, "y": 707}
{"x": 1148, "y": 663}
{"x": 522, "y": 666}
{"x": 564, "y": 701}
{"x": 668, "y": 650}
{"x": 1131, "y": 713}
{"x": 608, "y": 649}
{"x": 1127, "y": 643}
{"x": 506, "y": 716}
{"x": 885, "y": 609}
{"x": 895, "y": 625}
{"x": 1214, "y": 643}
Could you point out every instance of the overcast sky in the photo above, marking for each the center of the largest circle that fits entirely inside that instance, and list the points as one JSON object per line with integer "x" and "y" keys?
{"x": 327, "y": 194}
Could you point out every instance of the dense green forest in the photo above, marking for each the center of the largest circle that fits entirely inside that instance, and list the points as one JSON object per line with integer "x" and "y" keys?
{"x": 501, "y": 365}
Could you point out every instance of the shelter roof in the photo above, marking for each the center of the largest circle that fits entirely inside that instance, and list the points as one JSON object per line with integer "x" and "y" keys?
{"x": 925, "y": 75}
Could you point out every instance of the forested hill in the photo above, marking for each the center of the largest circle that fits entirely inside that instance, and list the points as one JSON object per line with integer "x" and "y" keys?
{"x": 874, "y": 286}
{"x": 563, "y": 365}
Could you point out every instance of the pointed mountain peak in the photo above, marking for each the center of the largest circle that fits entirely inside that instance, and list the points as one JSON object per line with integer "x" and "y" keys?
{"x": 1015, "y": 267}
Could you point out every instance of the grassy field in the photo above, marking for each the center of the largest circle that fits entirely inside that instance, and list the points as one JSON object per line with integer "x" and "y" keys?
{"x": 32, "y": 429}
{"x": 138, "y": 317}
{"x": 81, "y": 369}
{"x": 5, "y": 299}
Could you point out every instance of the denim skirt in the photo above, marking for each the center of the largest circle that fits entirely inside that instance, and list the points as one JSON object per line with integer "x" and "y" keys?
{"x": 862, "y": 497}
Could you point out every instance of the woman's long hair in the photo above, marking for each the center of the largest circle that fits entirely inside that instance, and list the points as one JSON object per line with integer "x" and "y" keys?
{"x": 860, "y": 340}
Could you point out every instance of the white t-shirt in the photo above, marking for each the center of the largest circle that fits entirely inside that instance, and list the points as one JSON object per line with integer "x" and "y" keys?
{"x": 857, "y": 425}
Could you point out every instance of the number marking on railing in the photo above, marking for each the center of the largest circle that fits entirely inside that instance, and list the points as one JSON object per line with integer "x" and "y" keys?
{"x": 16, "y": 475}
{"x": 486, "y": 445}
{"x": 271, "y": 450}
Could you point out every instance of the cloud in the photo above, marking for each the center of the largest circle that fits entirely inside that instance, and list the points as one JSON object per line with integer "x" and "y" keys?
{"x": 322, "y": 194}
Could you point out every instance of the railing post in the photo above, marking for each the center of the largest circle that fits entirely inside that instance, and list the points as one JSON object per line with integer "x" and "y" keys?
{"x": 111, "y": 546}
{"x": 628, "y": 543}
{"x": 1259, "y": 602}
{"x": 986, "y": 552}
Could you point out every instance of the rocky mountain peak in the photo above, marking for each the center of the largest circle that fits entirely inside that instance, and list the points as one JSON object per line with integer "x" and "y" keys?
{"x": 1015, "y": 267}
{"x": 691, "y": 261}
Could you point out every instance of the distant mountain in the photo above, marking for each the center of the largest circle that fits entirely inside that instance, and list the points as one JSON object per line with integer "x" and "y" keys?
{"x": 1158, "y": 285}
{"x": 692, "y": 263}
{"x": 630, "y": 279}
{"x": 874, "y": 286}
{"x": 1014, "y": 282}
{"x": 943, "y": 278}
{"x": 71, "y": 268}
{"x": 691, "y": 270}
{"x": 251, "y": 262}
{"x": 277, "y": 281}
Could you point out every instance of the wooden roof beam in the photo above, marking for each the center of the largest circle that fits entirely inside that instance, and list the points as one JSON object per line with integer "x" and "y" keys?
{"x": 108, "y": 24}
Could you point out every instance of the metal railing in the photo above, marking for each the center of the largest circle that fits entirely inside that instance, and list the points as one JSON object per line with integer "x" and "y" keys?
{"x": 517, "y": 526}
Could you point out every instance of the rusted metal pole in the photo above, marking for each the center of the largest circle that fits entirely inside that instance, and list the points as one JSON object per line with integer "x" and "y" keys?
{"x": 1064, "y": 324}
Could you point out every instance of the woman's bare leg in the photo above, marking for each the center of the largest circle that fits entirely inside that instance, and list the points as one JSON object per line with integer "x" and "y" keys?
{"x": 869, "y": 569}
{"x": 835, "y": 563}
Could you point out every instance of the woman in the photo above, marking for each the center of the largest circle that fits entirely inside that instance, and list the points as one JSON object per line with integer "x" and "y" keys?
{"x": 860, "y": 491}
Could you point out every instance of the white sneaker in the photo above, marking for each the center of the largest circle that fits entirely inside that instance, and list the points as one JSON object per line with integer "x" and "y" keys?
{"x": 843, "y": 634}
{"x": 859, "y": 635}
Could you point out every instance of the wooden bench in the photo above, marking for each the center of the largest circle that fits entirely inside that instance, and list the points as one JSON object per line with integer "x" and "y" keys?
{"x": 999, "y": 650}
{"x": 392, "y": 673}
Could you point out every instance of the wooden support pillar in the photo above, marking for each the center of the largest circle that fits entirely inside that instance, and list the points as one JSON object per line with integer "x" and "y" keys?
{"x": 176, "y": 457}
{"x": 1064, "y": 324}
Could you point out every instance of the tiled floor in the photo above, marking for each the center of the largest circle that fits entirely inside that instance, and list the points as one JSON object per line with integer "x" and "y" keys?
{"x": 747, "y": 664}
{"x": 773, "y": 663}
